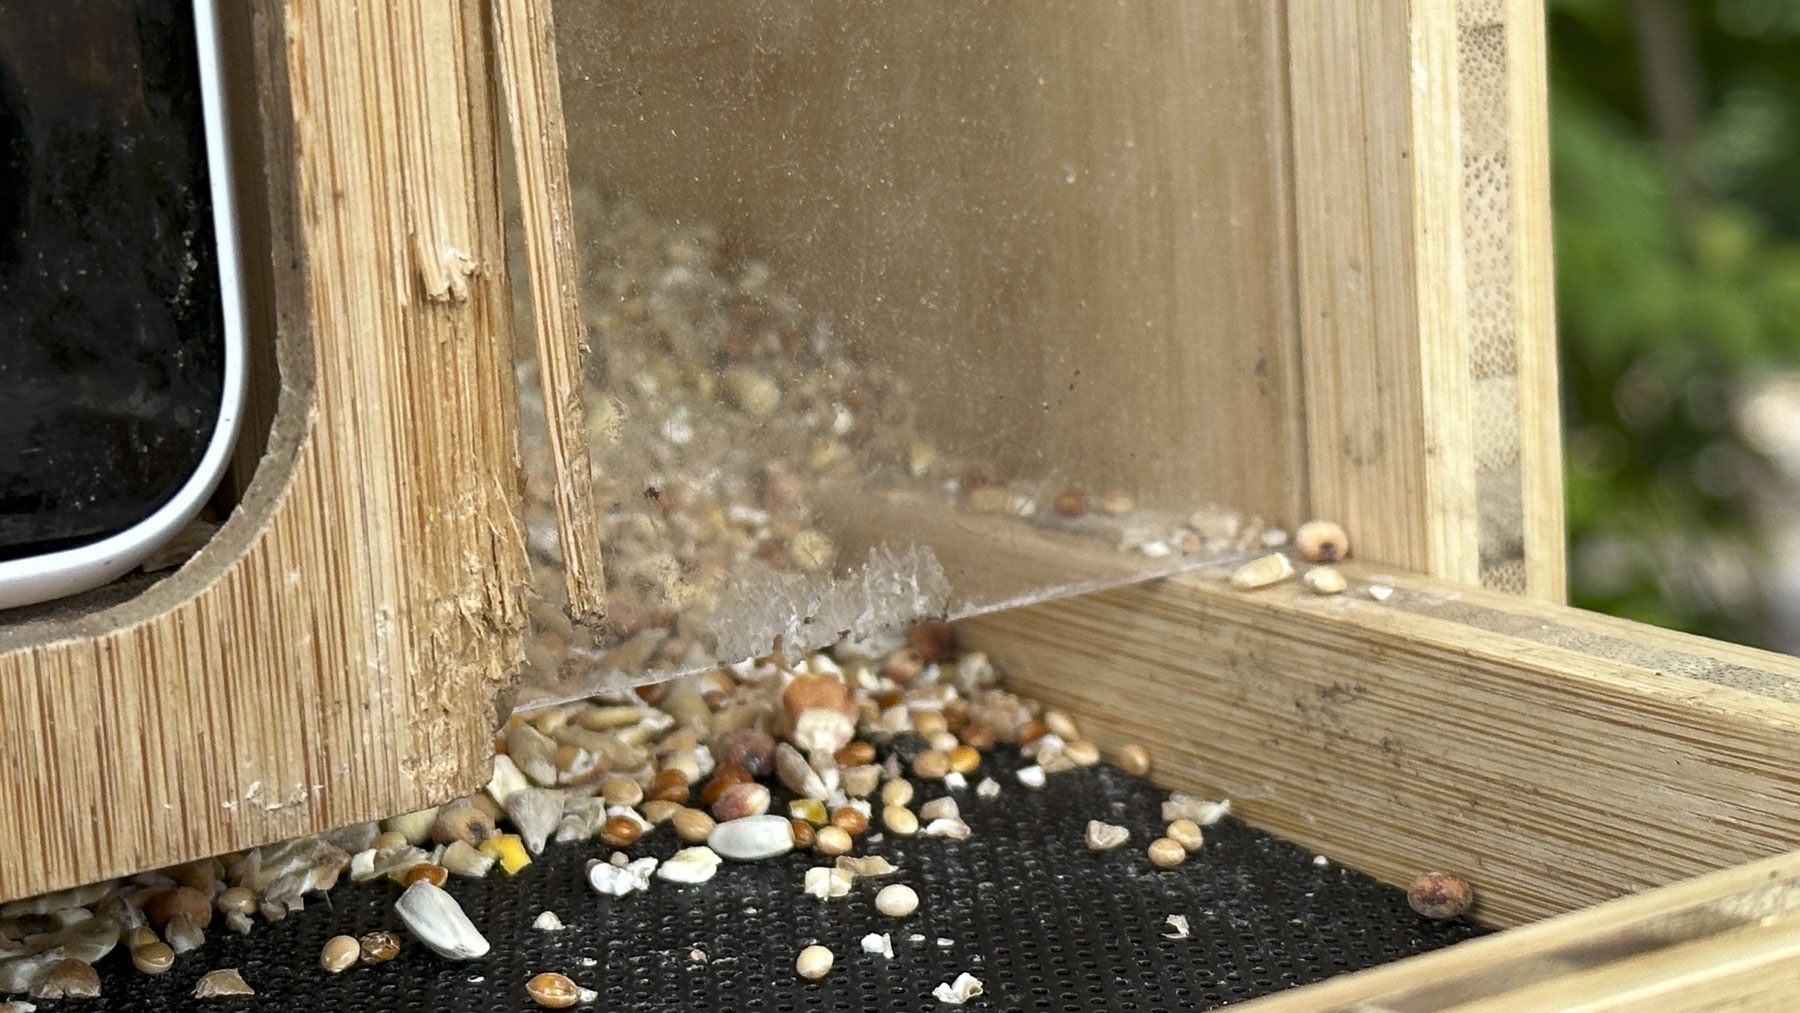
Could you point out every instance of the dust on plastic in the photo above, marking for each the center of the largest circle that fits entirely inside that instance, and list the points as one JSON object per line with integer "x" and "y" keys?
{"x": 834, "y": 386}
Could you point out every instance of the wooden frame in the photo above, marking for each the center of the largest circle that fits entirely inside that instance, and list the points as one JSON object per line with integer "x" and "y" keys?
{"x": 333, "y": 654}
{"x": 336, "y": 652}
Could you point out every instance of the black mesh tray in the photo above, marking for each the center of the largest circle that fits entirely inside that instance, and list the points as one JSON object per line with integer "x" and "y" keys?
{"x": 1045, "y": 924}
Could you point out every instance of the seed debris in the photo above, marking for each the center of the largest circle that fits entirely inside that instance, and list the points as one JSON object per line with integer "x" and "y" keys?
{"x": 965, "y": 987}
{"x": 1179, "y": 926}
{"x": 1105, "y": 836}
{"x": 879, "y": 943}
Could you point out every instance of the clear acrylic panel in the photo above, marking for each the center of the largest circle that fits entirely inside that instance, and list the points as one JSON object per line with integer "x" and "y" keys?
{"x": 881, "y": 319}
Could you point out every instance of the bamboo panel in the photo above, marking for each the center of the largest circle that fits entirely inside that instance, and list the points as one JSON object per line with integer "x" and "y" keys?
{"x": 1726, "y": 940}
{"x": 526, "y": 48}
{"x": 1557, "y": 758}
{"x": 332, "y": 655}
{"x": 1421, "y": 215}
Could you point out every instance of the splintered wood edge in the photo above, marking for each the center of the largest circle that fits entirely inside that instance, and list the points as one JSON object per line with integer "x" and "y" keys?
{"x": 526, "y": 43}
{"x": 1554, "y": 757}
{"x": 1731, "y": 935}
{"x": 332, "y": 656}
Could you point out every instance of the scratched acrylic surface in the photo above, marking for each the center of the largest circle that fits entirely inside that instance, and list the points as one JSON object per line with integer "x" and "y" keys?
{"x": 850, "y": 345}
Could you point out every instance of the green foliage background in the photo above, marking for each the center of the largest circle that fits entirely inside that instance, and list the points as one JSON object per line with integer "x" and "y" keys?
{"x": 1677, "y": 291}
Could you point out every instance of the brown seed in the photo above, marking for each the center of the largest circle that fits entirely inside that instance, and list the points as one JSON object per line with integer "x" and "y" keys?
{"x": 831, "y": 839}
{"x": 553, "y": 990}
{"x": 1166, "y": 854}
{"x": 339, "y": 953}
{"x": 1031, "y": 731}
{"x": 932, "y": 640}
{"x": 692, "y": 825}
{"x": 389, "y": 840}
{"x": 659, "y": 810}
{"x": 1071, "y": 502}
{"x": 851, "y": 819}
{"x": 976, "y": 735}
{"x": 379, "y": 947}
{"x": 620, "y": 831}
{"x": 1117, "y": 503}
{"x": 1082, "y": 753}
{"x": 1440, "y": 895}
{"x": 931, "y": 765}
{"x": 1321, "y": 542}
{"x": 803, "y": 833}
{"x": 670, "y": 786}
{"x": 818, "y": 712}
{"x": 741, "y": 800}
{"x": 724, "y": 776}
{"x": 181, "y": 900}
{"x": 896, "y": 792}
{"x": 943, "y": 742}
{"x": 901, "y": 666}
{"x": 1134, "y": 759}
{"x": 855, "y": 754}
{"x": 436, "y": 875}
{"x": 900, "y": 820}
{"x": 749, "y": 748}
{"x": 153, "y": 958}
{"x": 621, "y": 791}
{"x": 964, "y": 759}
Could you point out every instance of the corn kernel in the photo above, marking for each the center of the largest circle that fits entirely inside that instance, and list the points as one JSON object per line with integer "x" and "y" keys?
{"x": 508, "y": 850}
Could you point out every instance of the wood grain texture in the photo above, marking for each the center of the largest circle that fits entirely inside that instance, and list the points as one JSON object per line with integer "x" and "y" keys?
{"x": 333, "y": 654}
{"x": 1726, "y": 940}
{"x": 1421, "y": 223}
{"x": 1065, "y": 223}
{"x": 526, "y": 44}
{"x": 1555, "y": 757}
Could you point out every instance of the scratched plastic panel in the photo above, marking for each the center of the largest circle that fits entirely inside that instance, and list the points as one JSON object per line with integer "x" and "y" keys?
{"x": 880, "y": 319}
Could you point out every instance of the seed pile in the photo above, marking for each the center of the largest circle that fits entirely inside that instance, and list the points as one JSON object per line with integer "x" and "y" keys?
{"x": 719, "y": 410}
{"x": 746, "y": 763}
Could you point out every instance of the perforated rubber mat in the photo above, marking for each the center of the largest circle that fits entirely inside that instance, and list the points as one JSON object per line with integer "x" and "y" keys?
{"x": 1023, "y": 905}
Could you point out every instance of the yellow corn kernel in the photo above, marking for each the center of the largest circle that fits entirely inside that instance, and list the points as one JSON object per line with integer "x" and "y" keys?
{"x": 508, "y": 850}
{"x": 809, "y": 809}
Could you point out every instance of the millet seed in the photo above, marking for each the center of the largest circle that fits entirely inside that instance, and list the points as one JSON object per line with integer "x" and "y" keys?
{"x": 1082, "y": 753}
{"x": 897, "y": 900}
{"x": 1185, "y": 833}
{"x": 1134, "y": 759}
{"x": 621, "y": 791}
{"x": 831, "y": 839}
{"x": 855, "y": 754}
{"x": 339, "y": 953}
{"x": 692, "y": 825}
{"x": 963, "y": 759}
{"x": 813, "y": 963}
{"x": 1166, "y": 854}
{"x": 900, "y": 820}
{"x": 931, "y": 765}
{"x": 897, "y": 792}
